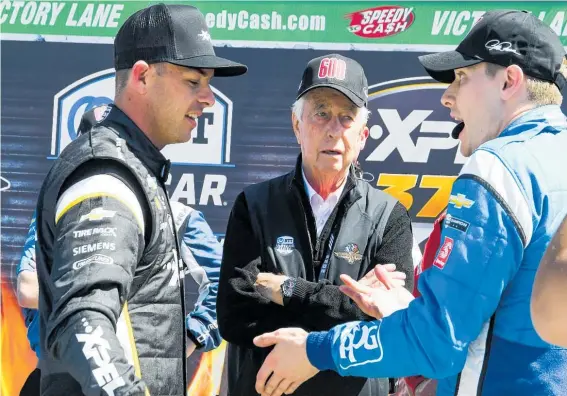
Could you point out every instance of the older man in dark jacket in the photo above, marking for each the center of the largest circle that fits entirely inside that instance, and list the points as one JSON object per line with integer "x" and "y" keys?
{"x": 290, "y": 238}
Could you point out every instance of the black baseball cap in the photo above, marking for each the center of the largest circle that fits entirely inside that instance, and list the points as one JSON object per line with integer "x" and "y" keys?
{"x": 337, "y": 72}
{"x": 504, "y": 37}
{"x": 173, "y": 33}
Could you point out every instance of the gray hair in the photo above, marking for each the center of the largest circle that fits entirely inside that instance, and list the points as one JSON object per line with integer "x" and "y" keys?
{"x": 298, "y": 106}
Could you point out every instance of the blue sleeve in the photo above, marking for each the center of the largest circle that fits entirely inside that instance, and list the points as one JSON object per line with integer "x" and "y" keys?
{"x": 487, "y": 226}
{"x": 202, "y": 253}
{"x": 27, "y": 261}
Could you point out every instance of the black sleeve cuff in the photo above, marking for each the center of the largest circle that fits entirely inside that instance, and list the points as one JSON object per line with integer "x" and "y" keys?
{"x": 198, "y": 345}
{"x": 301, "y": 291}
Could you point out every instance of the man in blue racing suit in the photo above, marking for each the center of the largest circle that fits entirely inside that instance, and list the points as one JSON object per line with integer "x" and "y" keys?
{"x": 471, "y": 327}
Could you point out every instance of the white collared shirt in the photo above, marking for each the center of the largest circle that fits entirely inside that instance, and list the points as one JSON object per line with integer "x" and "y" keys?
{"x": 322, "y": 209}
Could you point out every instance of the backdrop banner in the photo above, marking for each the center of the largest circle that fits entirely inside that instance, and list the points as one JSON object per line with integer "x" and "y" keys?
{"x": 51, "y": 75}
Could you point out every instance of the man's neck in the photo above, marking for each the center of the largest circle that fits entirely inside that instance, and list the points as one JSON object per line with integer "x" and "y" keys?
{"x": 136, "y": 112}
{"x": 325, "y": 184}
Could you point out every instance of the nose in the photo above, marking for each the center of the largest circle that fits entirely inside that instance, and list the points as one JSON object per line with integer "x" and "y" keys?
{"x": 448, "y": 97}
{"x": 206, "y": 96}
{"x": 334, "y": 127}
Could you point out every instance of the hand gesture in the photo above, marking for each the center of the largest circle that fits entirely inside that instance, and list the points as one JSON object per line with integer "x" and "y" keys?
{"x": 379, "y": 300}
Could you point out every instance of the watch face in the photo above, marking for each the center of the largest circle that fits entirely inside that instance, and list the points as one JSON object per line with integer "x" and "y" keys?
{"x": 288, "y": 287}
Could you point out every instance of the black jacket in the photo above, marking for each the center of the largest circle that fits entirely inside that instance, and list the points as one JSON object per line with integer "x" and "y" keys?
{"x": 110, "y": 300}
{"x": 272, "y": 229}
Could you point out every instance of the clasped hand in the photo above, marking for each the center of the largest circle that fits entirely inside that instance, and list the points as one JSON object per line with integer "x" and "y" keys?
{"x": 378, "y": 294}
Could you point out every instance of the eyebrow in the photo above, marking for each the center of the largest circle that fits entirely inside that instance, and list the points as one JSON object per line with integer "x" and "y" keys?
{"x": 196, "y": 69}
{"x": 200, "y": 71}
{"x": 324, "y": 105}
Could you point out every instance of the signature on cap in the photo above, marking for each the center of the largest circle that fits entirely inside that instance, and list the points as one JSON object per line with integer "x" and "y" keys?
{"x": 504, "y": 46}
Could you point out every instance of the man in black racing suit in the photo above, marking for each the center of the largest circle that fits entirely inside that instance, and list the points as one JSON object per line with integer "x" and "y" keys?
{"x": 110, "y": 295}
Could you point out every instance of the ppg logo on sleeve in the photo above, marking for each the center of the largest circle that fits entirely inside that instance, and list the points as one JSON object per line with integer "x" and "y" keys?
{"x": 209, "y": 143}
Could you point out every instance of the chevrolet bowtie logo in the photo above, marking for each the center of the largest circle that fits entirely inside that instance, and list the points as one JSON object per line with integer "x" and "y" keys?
{"x": 97, "y": 214}
{"x": 460, "y": 201}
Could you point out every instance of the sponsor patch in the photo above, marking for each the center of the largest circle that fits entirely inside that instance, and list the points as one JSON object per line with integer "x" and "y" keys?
{"x": 102, "y": 231}
{"x": 351, "y": 253}
{"x": 360, "y": 337}
{"x": 96, "y": 258}
{"x": 101, "y": 112}
{"x": 456, "y": 223}
{"x": 96, "y": 348}
{"x": 93, "y": 247}
{"x": 444, "y": 253}
{"x": 460, "y": 201}
{"x": 97, "y": 214}
{"x": 285, "y": 245}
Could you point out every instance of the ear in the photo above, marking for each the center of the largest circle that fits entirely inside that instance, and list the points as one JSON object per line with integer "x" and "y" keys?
{"x": 364, "y": 136}
{"x": 513, "y": 82}
{"x": 139, "y": 76}
{"x": 295, "y": 124}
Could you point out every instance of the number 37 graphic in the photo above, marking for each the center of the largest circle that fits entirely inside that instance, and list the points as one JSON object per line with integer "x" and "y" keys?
{"x": 398, "y": 186}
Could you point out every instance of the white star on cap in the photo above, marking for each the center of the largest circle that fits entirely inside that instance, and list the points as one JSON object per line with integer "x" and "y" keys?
{"x": 204, "y": 35}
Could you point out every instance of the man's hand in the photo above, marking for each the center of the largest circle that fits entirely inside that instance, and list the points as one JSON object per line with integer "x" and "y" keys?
{"x": 398, "y": 278}
{"x": 269, "y": 286}
{"x": 287, "y": 366}
{"x": 377, "y": 301}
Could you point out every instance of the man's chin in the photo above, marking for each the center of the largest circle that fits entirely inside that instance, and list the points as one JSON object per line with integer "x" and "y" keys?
{"x": 465, "y": 151}
{"x": 185, "y": 136}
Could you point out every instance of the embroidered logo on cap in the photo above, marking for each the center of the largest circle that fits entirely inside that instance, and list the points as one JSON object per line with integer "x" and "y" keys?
{"x": 332, "y": 68}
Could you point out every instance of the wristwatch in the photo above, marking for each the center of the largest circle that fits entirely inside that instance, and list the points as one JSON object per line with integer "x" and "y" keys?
{"x": 287, "y": 289}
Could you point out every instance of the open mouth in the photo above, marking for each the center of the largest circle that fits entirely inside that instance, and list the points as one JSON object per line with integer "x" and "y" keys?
{"x": 457, "y": 130}
{"x": 331, "y": 152}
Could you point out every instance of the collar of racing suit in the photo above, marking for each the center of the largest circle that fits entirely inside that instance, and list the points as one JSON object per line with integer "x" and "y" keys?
{"x": 138, "y": 142}
{"x": 549, "y": 116}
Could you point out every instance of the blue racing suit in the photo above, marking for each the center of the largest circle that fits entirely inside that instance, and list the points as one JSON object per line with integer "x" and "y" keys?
{"x": 472, "y": 327}
{"x": 27, "y": 263}
{"x": 201, "y": 252}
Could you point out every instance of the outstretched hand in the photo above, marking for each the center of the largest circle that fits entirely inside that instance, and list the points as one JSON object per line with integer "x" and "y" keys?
{"x": 287, "y": 366}
{"x": 397, "y": 278}
{"x": 382, "y": 298}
